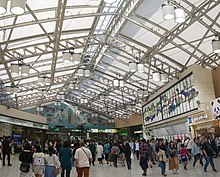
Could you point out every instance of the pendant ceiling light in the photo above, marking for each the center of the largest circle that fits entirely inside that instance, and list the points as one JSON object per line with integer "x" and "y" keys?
{"x": 140, "y": 92}
{"x": 76, "y": 86}
{"x": 3, "y": 6}
{"x": 156, "y": 76}
{"x": 168, "y": 11}
{"x": 87, "y": 72}
{"x": 115, "y": 82}
{"x": 132, "y": 66}
{"x": 121, "y": 83}
{"x": 14, "y": 69}
{"x": 110, "y": 1}
{"x": 44, "y": 80}
{"x": 216, "y": 45}
{"x": 76, "y": 58}
{"x": 71, "y": 85}
{"x": 102, "y": 97}
{"x": 25, "y": 70}
{"x": 140, "y": 67}
{"x": 67, "y": 57}
{"x": 145, "y": 93}
{"x": 179, "y": 15}
{"x": 18, "y": 6}
{"x": 11, "y": 89}
{"x": 164, "y": 77}
{"x": 80, "y": 72}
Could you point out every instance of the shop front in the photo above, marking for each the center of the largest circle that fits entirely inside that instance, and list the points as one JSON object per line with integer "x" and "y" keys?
{"x": 204, "y": 123}
{"x": 21, "y": 130}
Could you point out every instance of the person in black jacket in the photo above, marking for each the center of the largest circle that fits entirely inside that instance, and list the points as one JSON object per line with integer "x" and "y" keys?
{"x": 27, "y": 157}
{"x": 127, "y": 152}
{"x": 6, "y": 149}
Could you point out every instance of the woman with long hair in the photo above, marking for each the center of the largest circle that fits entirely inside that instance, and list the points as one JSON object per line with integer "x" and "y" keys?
{"x": 161, "y": 155}
{"x": 173, "y": 160}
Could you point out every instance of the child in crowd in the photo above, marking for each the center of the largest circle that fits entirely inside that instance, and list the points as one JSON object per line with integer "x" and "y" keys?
{"x": 184, "y": 156}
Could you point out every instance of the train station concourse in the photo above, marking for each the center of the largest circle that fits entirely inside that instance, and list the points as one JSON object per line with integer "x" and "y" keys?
{"x": 85, "y": 84}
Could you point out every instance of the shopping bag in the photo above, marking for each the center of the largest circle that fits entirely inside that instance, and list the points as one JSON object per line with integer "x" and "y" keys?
{"x": 132, "y": 156}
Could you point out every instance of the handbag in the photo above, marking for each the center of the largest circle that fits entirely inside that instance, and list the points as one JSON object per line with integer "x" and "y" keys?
{"x": 57, "y": 170}
{"x": 25, "y": 167}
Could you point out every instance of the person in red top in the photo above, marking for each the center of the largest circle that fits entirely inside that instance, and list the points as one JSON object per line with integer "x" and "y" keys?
{"x": 184, "y": 156}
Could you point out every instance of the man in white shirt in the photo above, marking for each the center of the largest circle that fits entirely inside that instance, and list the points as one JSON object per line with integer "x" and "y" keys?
{"x": 83, "y": 159}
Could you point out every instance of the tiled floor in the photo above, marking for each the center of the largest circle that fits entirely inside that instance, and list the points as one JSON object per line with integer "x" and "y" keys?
{"x": 107, "y": 171}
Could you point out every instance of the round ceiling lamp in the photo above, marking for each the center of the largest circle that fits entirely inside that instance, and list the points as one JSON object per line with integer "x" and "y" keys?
{"x": 145, "y": 93}
{"x": 132, "y": 66}
{"x": 3, "y": 6}
{"x": 168, "y": 11}
{"x": 115, "y": 82}
{"x": 121, "y": 83}
{"x": 71, "y": 85}
{"x": 18, "y": 6}
{"x": 216, "y": 45}
{"x": 164, "y": 77}
{"x": 14, "y": 69}
{"x": 87, "y": 72}
{"x": 140, "y": 92}
{"x": 25, "y": 70}
{"x": 67, "y": 57}
{"x": 110, "y": 1}
{"x": 80, "y": 72}
{"x": 179, "y": 15}
{"x": 156, "y": 76}
{"x": 76, "y": 58}
{"x": 140, "y": 67}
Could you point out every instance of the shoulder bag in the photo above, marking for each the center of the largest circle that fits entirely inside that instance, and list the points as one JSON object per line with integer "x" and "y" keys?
{"x": 87, "y": 156}
{"x": 25, "y": 166}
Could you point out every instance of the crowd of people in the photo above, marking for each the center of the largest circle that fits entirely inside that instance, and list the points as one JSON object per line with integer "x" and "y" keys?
{"x": 55, "y": 157}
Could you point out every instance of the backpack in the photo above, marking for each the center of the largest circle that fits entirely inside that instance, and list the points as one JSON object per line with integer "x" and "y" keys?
{"x": 39, "y": 161}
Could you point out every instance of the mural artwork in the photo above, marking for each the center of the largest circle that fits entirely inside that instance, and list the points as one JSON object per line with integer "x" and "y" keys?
{"x": 177, "y": 100}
